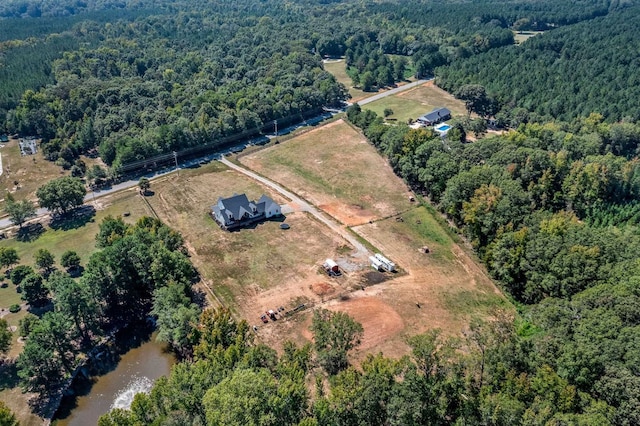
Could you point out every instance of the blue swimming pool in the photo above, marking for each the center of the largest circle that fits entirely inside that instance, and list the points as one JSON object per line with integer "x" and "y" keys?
{"x": 443, "y": 127}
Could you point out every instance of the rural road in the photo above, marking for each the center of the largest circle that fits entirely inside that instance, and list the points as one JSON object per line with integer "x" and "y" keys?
{"x": 91, "y": 196}
{"x": 304, "y": 206}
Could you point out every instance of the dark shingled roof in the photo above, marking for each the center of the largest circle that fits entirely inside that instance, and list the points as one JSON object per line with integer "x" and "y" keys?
{"x": 436, "y": 115}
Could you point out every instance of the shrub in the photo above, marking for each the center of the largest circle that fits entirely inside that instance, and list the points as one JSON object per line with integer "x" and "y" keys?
{"x": 14, "y": 308}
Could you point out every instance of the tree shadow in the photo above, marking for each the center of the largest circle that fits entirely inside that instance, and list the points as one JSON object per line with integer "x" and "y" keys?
{"x": 76, "y": 271}
{"x": 73, "y": 220}
{"x": 30, "y": 232}
{"x": 8, "y": 375}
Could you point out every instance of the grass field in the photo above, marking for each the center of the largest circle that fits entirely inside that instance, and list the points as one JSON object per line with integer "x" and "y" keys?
{"x": 336, "y": 169}
{"x": 417, "y": 101}
{"x": 250, "y": 269}
{"x": 339, "y": 71}
{"x": 522, "y": 36}
{"x": 30, "y": 171}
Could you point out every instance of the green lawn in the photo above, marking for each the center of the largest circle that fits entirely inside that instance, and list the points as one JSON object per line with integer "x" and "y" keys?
{"x": 339, "y": 71}
{"x": 403, "y": 109}
{"x": 416, "y": 102}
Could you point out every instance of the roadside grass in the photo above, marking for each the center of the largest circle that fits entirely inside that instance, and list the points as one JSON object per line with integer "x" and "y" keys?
{"x": 238, "y": 265}
{"x": 417, "y": 101}
{"x": 30, "y": 171}
{"x": 335, "y": 168}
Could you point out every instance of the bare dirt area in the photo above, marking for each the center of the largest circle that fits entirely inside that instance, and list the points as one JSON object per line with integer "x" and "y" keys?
{"x": 442, "y": 289}
{"x": 332, "y": 168}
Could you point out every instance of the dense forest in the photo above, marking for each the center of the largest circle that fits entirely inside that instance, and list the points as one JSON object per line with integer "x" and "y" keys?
{"x": 552, "y": 209}
{"x": 551, "y": 206}
{"x": 140, "y": 270}
{"x": 565, "y": 73}
{"x": 134, "y": 79}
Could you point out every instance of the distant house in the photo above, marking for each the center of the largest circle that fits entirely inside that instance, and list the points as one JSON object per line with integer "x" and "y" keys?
{"x": 436, "y": 116}
{"x": 237, "y": 211}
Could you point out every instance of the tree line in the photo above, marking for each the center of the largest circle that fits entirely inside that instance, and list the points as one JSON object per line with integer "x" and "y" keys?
{"x": 549, "y": 207}
{"x": 140, "y": 270}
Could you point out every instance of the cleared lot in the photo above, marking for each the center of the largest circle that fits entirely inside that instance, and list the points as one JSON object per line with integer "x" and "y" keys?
{"x": 335, "y": 168}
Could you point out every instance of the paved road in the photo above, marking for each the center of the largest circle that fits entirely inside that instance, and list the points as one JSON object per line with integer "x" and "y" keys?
{"x": 304, "y": 206}
{"x": 392, "y": 91}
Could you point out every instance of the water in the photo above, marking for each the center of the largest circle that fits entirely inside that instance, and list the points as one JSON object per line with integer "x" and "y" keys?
{"x": 136, "y": 372}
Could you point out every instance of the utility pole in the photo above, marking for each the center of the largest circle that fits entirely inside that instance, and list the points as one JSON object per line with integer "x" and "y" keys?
{"x": 275, "y": 123}
{"x": 175, "y": 158}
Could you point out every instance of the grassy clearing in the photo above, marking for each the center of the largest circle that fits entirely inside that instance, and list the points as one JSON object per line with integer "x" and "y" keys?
{"x": 339, "y": 71}
{"x": 239, "y": 265}
{"x": 522, "y": 36}
{"x": 335, "y": 168}
{"x": 30, "y": 171}
{"x": 417, "y": 101}
{"x": 469, "y": 303}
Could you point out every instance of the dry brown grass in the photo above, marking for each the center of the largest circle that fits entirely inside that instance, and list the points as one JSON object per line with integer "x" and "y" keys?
{"x": 335, "y": 166}
{"x": 252, "y": 269}
{"x": 336, "y": 169}
{"x": 30, "y": 171}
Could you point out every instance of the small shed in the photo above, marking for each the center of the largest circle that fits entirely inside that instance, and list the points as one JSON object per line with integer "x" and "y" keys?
{"x": 330, "y": 265}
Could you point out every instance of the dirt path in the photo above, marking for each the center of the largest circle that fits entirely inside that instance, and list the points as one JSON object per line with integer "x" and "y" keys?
{"x": 361, "y": 250}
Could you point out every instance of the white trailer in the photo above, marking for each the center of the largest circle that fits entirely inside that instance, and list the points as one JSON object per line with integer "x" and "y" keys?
{"x": 376, "y": 263}
{"x": 387, "y": 264}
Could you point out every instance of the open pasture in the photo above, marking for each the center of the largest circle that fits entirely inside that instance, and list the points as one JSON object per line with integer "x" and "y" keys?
{"x": 441, "y": 289}
{"x": 335, "y": 168}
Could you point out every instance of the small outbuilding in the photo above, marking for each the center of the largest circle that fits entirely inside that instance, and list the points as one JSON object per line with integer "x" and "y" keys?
{"x": 330, "y": 265}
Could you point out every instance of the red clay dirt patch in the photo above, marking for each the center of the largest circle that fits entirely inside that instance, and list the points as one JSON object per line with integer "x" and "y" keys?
{"x": 321, "y": 288}
{"x": 349, "y": 215}
{"x": 379, "y": 320}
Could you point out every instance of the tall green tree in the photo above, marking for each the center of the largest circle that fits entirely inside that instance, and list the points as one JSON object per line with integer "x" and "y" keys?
{"x": 8, "y": 257}
{"x": 5, "y": 336}
{"x": 20, "y": 211}
{"x": 61, "y": 195}
{"x": 476, "y": 100}
{"x": 334, "y": 335}
{"x": 44, "y": 260}
{"x": 34, "y": 291}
